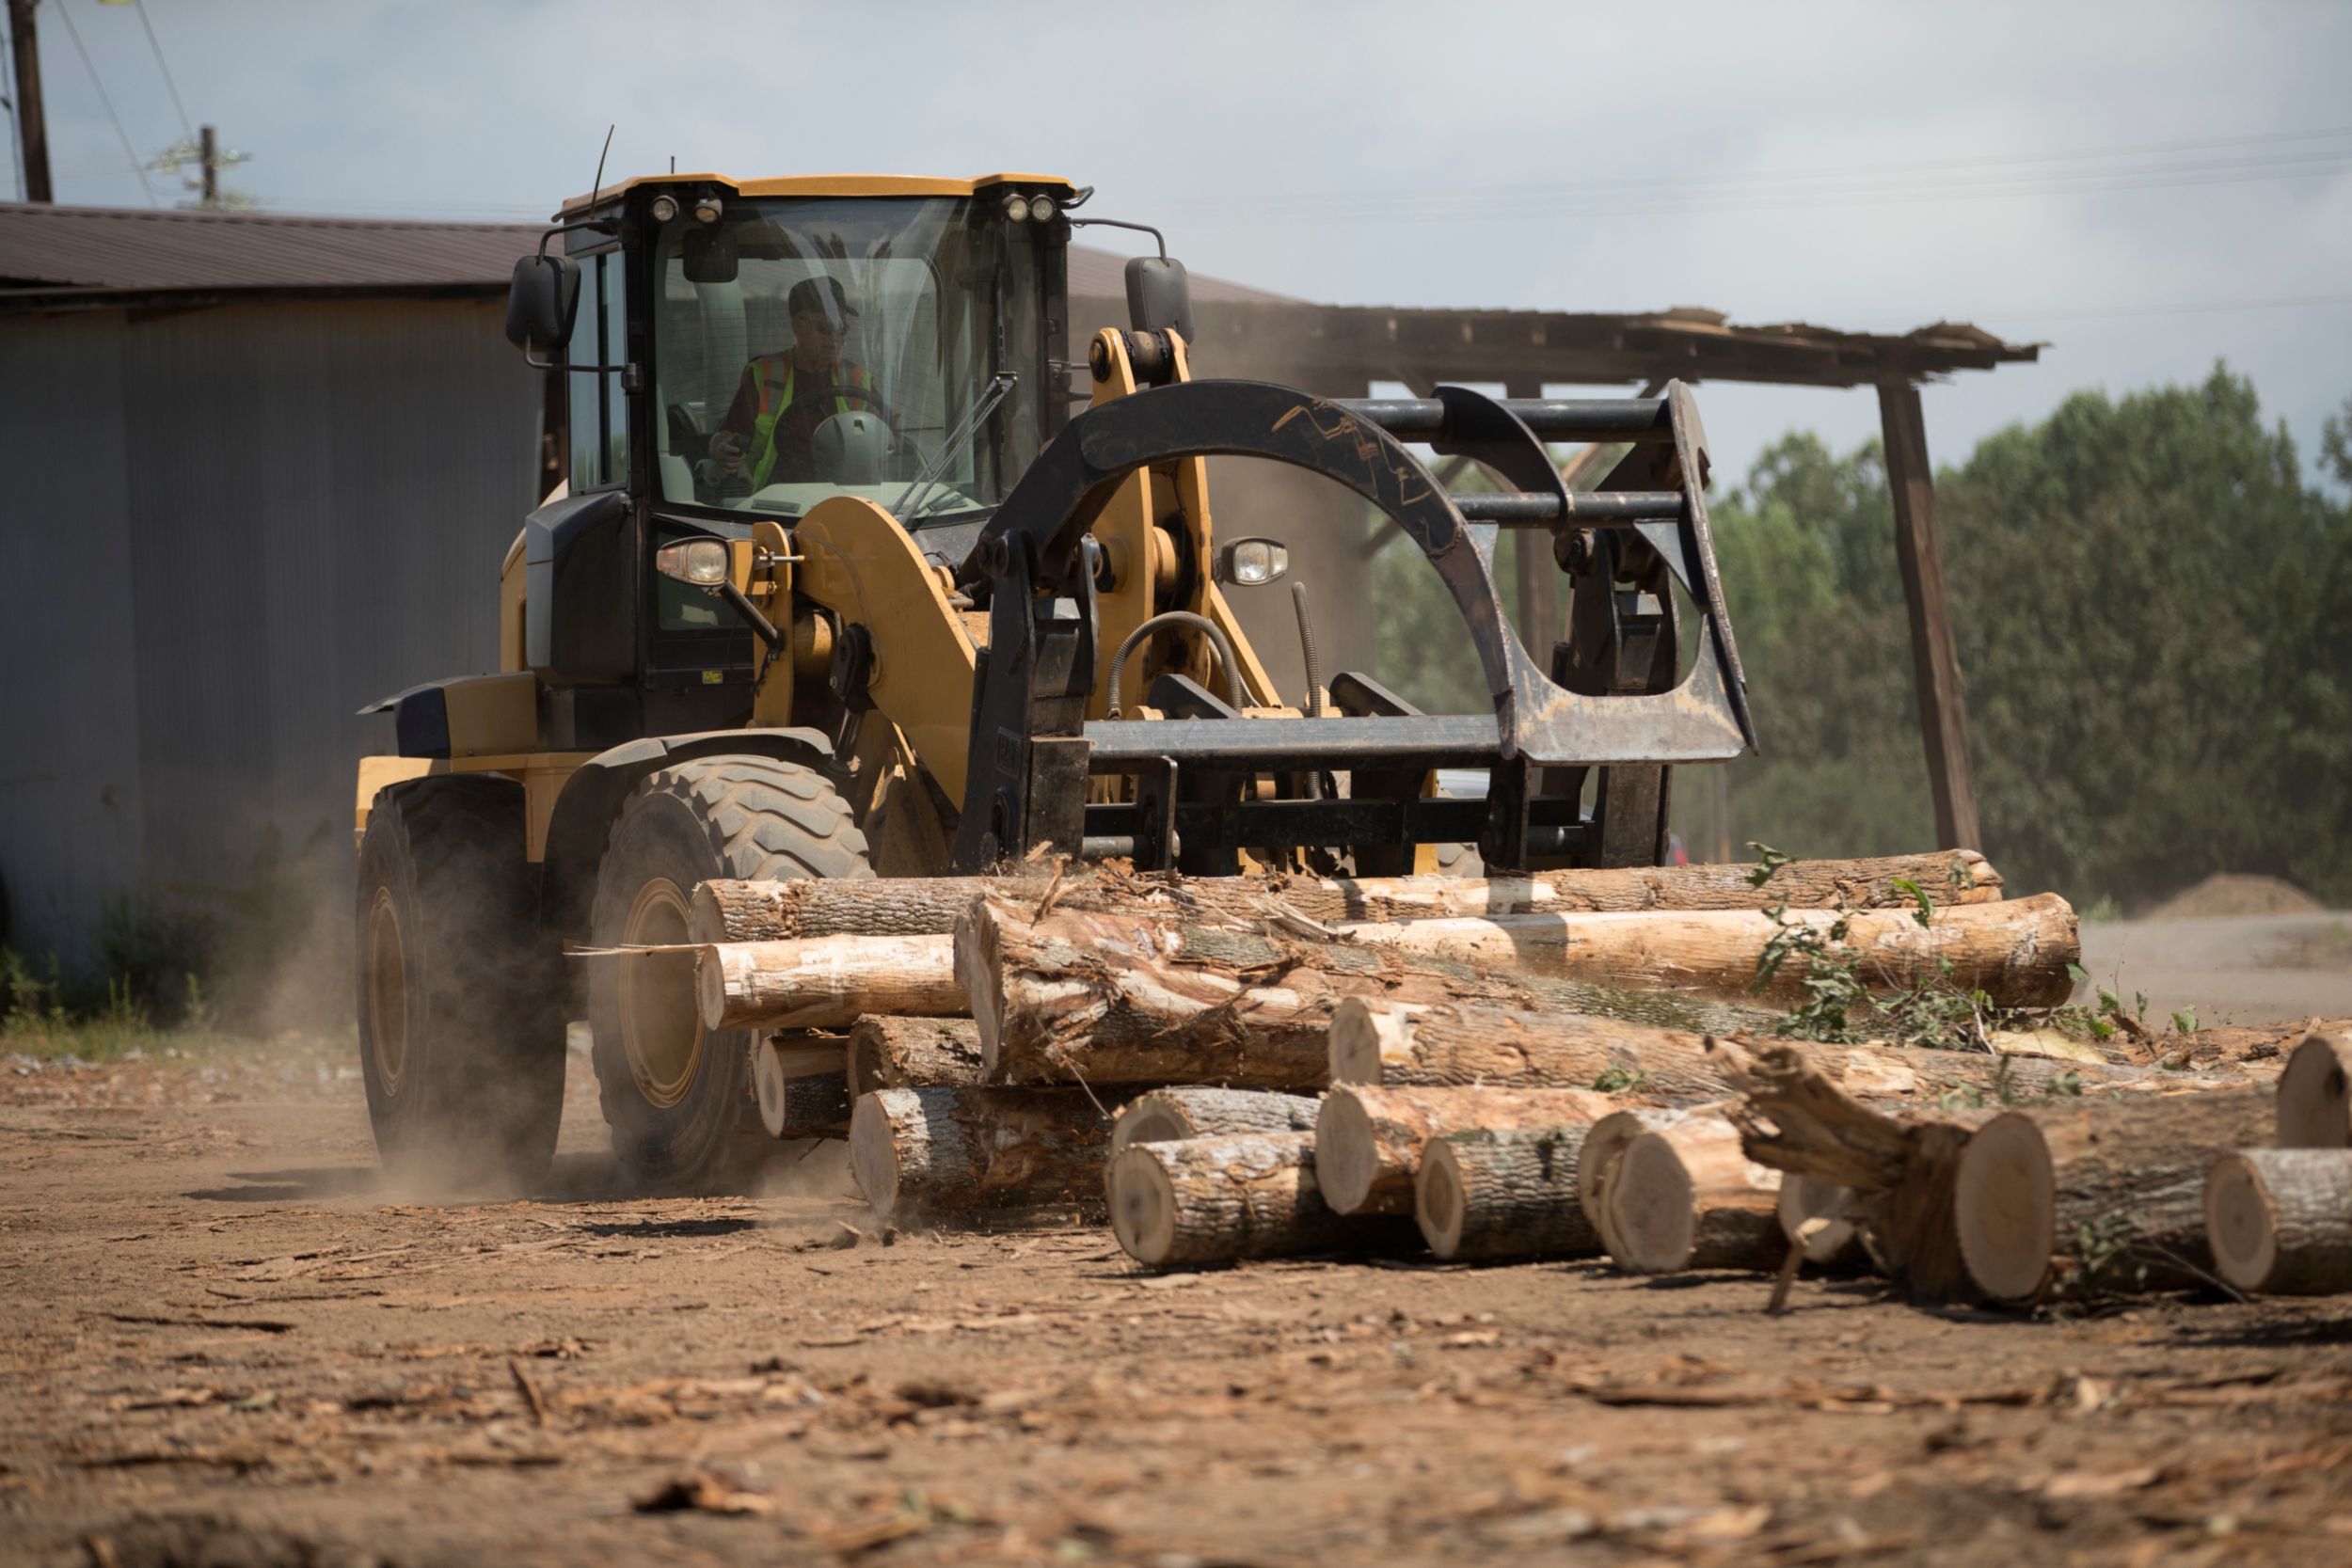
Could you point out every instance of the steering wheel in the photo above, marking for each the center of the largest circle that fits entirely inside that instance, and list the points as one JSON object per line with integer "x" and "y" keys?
{"x": 866, "y": 394}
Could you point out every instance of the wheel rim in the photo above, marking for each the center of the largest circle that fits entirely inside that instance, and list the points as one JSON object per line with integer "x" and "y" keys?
{"x": 661, "y": 1027}
{"x": 388, "y": 992}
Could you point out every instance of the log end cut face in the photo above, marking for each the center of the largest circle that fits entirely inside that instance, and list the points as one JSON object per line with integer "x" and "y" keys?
{"x": 1149, "y": 1121}
{"x": 978, "y": 961}
{"x": 2316, "y": 1094}
{"x": 1143, "y": 1205}
{"x": 2241, "y": 1222}
{"x": 2005, "y": 1208}
{"x": 874, "y": 1144}
{"x": 1347, "y": 1163}
{"x": 1651, "y": 1206}
{"x": 1440, "y": 1202}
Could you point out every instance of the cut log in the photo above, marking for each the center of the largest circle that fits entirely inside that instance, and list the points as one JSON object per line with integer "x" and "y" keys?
{"x": 803, "y": 1086}
{"x": 1140, "y": 997}
{"x": 2100, "y": 1194}
{"x": 825, "y": 982}
{"x": 774, "y": 911}
{"x": 964, "y": 1152}
{"x": 1213, "y": 1200}
{"x": 2017, "y": 952}
{"x": 2279, "y": 1220}
{"x": 1685, "y": 1197}
{"x": 1817, "y": 1219}
{"x": 1203, "y": 1111}
{"x": 2316, "y": 1094}
{"x": 1369, "y": 1141}
{"x": 1489, "y": 1195}
{"x": 1606, "y": 1141}
{"x": 914, "y": 1053}
{"x": 1373, "y": 1043}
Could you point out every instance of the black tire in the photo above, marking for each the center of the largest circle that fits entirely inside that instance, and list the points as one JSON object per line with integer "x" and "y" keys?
{"x": 674, "y": 1093}
{"x": 460, "y": 992}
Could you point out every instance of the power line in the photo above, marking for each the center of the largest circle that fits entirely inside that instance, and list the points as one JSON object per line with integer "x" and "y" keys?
{"x": 136, "y": 167}
{"x": 161, "y": 64}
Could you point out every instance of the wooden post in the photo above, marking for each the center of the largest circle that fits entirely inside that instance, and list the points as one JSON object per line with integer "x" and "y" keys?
{"x": 32, "y": 127}
{"x": 1935, "y": 662}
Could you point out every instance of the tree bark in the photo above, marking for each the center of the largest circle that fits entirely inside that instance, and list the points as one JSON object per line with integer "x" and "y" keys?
{"x": 801, "y": 1086}
{"x": 2279, "y": 1220}
{"x": 914, "y": 1053}
{"x": 772, "y": 912}
{"x": 2017, "y": 952}
{"x": 2316, "y": 1094}
{"x": 825, "y": 982}
{"x": 1509, "y": 1193}
{"x": 2098, "y": 1194}
{"x": 1456, "y": 1044}
{"x": 1684, "y": 1195}
{"x": 1216, "y": 1199}
{"x": 1369, "y": 1141}
{"x": 966, "y": 1152}
{"x": 1203, "y": 1111}
{"x": 1143, "y": 997}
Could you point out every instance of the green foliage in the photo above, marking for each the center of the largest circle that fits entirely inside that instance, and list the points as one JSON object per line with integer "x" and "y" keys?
{"x": 1617, "y": 1079}
{"x": 2149, "y": 604}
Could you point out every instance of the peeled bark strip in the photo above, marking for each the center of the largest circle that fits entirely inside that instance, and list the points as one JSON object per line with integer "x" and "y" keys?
{"x": 825, "y": 982}
{"x": 2017, "y": 952}
{"x": 1508, "y": 1194}
{"x": 772, "y": 911}
{"x": 1371, "y": 1043}
{"x": 1143, "y": 997}
{"x": 914, "y": 1053}
{"x": 1685, "y": 1197}
{"x": 1212, "y": 1200}
{"x": 801, "y": 1086}
{"x": 1204, "y": 1111}
{"x": 2316, "y": 1094}
{"x": 1369, "y": 1141}
{"x": 2279, "y": 1220}
{"x": 2103, "y": 1192}
{"x": 963, "y": 1152}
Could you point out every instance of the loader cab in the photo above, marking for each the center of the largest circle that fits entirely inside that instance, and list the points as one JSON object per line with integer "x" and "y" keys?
{"x": 741, "y": 350}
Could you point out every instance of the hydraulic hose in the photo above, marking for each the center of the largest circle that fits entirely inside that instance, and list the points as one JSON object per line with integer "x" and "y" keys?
{"x": 1217, "y": 640}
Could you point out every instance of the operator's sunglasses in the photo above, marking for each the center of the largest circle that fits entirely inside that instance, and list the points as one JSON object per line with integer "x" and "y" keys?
{"x": 824, "y": 323}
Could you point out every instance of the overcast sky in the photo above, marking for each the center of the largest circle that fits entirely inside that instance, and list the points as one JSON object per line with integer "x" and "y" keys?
{"x": 2148, "y": 186}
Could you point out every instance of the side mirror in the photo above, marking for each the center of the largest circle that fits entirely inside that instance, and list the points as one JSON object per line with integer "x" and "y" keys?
{"x": 1159, "y": 296}
{"x": 708, "y": 255}
{"x": 541, "y": 302}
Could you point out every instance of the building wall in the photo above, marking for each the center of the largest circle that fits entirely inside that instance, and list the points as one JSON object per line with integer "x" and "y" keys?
{"x": 230, "y": 528}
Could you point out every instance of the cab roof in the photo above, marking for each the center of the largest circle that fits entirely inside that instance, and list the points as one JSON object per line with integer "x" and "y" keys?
{"x": 816, "y": 184}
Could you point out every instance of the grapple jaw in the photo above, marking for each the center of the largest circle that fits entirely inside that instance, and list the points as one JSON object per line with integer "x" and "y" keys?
{"x": 1610, "y": 697}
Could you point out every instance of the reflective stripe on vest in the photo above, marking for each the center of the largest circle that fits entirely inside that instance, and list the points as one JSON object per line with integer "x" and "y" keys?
{"x": 776, "y": 397}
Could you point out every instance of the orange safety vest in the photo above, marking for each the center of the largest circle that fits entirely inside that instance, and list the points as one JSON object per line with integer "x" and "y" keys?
{"x": 776, "y": 397}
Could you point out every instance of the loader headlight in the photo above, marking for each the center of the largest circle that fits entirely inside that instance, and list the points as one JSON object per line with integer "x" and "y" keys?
{"x": 1017, "y": 208}
{"x": 1252, "y": 562}
{"x": 1040, "y": 209}
{"x": 700, "y": 561}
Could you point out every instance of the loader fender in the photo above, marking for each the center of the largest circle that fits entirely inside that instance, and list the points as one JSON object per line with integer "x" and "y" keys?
{"x": 593, "y": 796}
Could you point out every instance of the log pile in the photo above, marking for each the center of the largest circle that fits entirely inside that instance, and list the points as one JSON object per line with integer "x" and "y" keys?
{"x": 1568, "y": 1065}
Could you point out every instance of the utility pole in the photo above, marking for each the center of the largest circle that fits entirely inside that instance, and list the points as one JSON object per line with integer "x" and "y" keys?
{"x": 32, "y": 131}
{"x": 211, "y": 171}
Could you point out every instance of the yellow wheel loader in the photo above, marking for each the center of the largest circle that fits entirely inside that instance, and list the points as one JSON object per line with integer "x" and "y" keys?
{"x": 847, "y": 581}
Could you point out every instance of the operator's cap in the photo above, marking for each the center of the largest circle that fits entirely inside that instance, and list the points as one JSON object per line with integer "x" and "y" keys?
{"x": 809, "y": 297}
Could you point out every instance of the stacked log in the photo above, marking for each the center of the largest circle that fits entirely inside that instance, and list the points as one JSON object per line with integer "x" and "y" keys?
{"x": 887, "y": 1053}
{"x": 825, "y": 982}
{"x": 1484, "y": 1194}
{"x": 2103, "y": 1192}
{"x": 727, "y": 910}
{"x": 1207, "y": 1110}
{"x": 1216, "y": 1199}
{"x": 801, "y": 1086}
{"x": 2279, "y": 1220}
{"x": 2316, "y": 1093}
{"x": 1684, "y": 1195}
{"x": 977, "y": 1152}
{"x": 1369, "y": 1141}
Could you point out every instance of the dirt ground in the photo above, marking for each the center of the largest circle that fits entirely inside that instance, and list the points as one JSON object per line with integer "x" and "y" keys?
{"x": 222, "y": 1342}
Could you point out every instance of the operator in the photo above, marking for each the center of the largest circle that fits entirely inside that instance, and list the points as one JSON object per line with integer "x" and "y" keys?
{"x": 765, "y": 438}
